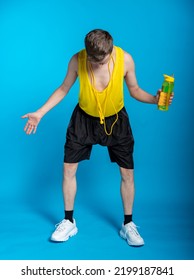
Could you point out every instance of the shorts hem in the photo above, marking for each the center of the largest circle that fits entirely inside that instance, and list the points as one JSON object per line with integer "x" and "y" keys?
{"x": 70, "y": 161}
{"x": 123, "y": 166}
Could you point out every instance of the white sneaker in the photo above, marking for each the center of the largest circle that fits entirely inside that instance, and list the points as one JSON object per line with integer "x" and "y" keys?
{"x": 130, "y": 233}
{"x": 64, "y": 230}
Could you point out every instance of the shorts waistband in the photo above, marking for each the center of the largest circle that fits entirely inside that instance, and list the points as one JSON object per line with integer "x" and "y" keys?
{"x": 96, "y": 118}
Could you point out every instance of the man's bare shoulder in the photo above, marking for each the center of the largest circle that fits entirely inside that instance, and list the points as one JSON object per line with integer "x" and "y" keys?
{"x": 127, "y": 57}
{"x": 128, "y": 62}
{"x": 74, "y": 58}
{"x": 73, "y": 63}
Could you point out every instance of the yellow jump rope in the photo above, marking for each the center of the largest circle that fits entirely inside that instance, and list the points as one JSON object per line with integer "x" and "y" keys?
{"x": 96, "y": 94}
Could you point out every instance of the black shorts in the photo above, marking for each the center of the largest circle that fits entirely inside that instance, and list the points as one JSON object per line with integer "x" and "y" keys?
{"x": 84, "y": 131}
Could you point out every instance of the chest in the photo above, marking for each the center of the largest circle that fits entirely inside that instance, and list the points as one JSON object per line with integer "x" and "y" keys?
{"x": 100, "y": 75}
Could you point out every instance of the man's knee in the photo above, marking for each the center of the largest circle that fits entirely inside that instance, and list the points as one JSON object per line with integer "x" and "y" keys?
{"x": 127, "y": 174}
{"x": 70, "y": 170}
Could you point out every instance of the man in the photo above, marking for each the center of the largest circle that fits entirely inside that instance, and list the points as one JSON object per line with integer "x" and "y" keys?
{"x": 99, "y": 118}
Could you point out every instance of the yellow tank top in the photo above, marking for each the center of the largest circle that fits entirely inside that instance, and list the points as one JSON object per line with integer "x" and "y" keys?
{"x": 101, "y": 103}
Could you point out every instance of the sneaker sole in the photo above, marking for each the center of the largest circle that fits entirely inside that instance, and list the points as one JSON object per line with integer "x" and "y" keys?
{"x": 130, "y": 243}
{"x": 72, "y": 233}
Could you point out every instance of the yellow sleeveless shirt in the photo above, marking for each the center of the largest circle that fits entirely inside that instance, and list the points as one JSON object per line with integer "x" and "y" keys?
{"x": 101, "y": 103}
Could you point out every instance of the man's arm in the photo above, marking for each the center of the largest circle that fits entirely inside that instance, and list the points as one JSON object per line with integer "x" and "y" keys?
{"x": 62, "y": 91}
{"x": 132, "y": 85}
{"x": 55, "y": 98}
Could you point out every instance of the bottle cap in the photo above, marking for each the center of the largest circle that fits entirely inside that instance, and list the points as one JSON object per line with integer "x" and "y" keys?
{"x": 169, "y": 78}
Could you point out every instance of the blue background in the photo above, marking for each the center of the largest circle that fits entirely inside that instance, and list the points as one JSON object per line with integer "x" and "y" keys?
{"x": 37, "y": 39}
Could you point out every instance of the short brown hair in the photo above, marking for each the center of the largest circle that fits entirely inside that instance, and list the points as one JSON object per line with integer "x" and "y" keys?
{"x": 98, "y": 44}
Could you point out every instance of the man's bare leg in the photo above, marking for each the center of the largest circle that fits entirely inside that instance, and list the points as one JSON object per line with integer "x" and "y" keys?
{"x": 129, "y": 229}
{"x": 69, "y": 185}
{"x": 67, "y": 227}
{"x": 127, "y": 189}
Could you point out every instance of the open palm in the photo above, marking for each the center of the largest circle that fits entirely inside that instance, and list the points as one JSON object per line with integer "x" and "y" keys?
{"x": 32, "y": 123}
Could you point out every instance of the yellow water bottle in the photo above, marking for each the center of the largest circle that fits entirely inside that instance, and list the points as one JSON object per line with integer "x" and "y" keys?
{"x": 167, "y": 89}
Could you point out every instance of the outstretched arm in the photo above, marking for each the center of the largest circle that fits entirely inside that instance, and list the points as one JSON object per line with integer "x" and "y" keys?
{"x": 57, "y": 96}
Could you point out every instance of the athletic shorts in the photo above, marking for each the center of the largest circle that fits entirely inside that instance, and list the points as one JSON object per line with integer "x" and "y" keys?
{"x": 84, "y": 131}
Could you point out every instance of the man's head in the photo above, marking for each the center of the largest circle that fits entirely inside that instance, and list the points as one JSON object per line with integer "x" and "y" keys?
{"x": 98, "y": 44}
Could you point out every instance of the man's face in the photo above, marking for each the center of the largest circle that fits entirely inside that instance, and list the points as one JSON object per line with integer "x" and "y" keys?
{"x": 105, "y": 60}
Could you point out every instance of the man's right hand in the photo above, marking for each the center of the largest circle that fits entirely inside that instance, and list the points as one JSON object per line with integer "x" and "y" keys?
{"x": 32, "y": 123}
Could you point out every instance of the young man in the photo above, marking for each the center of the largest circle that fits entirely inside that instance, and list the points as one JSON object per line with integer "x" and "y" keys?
{"x": 99, "y": 118}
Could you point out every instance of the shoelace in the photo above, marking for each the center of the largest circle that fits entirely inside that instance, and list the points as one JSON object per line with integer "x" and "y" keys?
{"x": 133, "y": 228}
{"x": 60, "y": 226}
